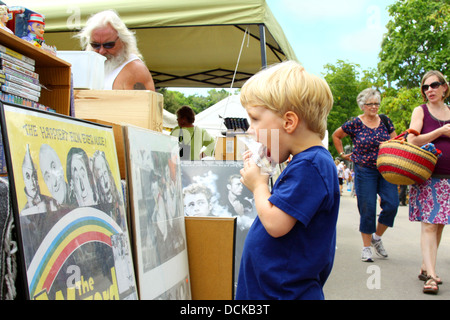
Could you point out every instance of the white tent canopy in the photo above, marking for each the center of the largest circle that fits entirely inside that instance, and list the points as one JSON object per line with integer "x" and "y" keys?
{"x": 169, "y": 119}
{"x": 212, "y": 119}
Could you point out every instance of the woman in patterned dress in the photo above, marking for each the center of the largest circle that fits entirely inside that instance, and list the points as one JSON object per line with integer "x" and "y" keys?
{"x": 367, "y": 131}
{"x": 430, "y": 201}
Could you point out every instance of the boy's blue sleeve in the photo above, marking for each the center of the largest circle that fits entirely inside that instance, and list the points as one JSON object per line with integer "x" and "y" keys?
{"x": 299, "y": 192}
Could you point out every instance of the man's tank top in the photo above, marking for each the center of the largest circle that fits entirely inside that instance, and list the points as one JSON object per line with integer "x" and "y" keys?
{"x": 111, "y": 77}
{"x": 442, "y": 143}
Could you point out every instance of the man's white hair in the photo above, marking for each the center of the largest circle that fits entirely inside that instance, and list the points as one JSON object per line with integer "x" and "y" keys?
{"x": 102, "y": 19}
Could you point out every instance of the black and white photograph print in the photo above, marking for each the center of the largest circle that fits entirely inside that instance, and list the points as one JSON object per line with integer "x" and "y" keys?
{"x": 156, "y": 208}
{"x": 214, "y": 189}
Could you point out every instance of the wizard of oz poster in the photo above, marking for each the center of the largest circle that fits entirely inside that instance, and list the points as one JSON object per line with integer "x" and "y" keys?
{"x": 69, "y": 207}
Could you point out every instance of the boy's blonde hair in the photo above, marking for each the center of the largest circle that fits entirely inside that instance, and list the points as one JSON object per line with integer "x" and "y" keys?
{"x": 286, "y": 87}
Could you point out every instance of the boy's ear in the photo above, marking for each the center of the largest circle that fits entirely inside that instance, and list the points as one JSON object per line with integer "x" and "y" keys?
{"x": 291, "y": 121}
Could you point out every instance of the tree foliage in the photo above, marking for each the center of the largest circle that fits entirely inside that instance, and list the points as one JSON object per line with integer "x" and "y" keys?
{"x": 175, "y": 99}
{"x": 399, "y": 104}
{"x": 417, "y": 41}
{"x": 346, "y": 81}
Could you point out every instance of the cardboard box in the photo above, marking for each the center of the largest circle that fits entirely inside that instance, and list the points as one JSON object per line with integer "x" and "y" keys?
{"x": 210, "y": 242}
{"x": 142, "y": 108}
{"x": 229, "y": 148}
{"x": 225, "y": 148}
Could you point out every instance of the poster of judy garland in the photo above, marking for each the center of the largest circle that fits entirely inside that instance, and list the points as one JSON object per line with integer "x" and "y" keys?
{"x": 69, "y": 207}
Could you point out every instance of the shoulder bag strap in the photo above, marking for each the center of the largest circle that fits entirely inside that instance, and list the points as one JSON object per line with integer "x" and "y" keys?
{"x": 384, "y": 118}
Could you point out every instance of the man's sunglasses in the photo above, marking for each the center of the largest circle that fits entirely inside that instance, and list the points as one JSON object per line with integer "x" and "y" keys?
{"x": 106, "y": 45}
{"x": 433, "y": 85}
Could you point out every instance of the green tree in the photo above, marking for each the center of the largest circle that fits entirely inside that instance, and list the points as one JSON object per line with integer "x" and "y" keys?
{"x": 175, "y": 99}
{"x": 346, "y": 81}
{"x": 201, "y": 103}
{"x": 399, "y": 104}
{"x": 372, "y": 78}
{"x": 417, "y": 41}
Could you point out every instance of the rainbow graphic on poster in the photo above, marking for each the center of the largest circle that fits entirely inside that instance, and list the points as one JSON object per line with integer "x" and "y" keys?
{"x": 80, "y": 226}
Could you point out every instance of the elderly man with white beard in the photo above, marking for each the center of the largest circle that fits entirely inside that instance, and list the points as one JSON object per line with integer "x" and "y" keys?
{"x": 106, "y": 34}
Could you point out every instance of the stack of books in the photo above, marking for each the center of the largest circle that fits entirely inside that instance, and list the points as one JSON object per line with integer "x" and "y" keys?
{"x": 19, "y": 85}
{"x": 18, "y": 79}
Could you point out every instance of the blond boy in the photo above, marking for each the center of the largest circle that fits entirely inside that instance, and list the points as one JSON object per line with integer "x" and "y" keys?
{"x": 289, "y": 250}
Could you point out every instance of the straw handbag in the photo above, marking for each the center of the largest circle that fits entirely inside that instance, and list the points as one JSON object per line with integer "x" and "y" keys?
{"x": 403, "y": 163}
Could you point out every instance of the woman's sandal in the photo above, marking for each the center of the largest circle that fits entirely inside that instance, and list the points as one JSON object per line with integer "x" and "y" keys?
{"x": 424, "y": 277}
{"x": 431, "y": 286}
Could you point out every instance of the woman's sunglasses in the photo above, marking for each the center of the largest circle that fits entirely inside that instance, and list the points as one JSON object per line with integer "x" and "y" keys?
{"x": 433, "y": 85}
{"x": 106, "y": 45}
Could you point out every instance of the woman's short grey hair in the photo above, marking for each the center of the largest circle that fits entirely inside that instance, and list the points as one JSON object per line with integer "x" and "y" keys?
{"x": 102, "y": 19}
{"x": 367, "y": 94}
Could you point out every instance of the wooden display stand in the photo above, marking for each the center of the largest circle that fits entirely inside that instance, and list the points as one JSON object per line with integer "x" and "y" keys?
{"x": 141, "y": 108}
{"x": 54, "y": 73}
{"x": 210, "y": 242}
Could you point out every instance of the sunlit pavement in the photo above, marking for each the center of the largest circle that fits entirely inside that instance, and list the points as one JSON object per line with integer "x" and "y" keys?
{"x": 393, "y": 278}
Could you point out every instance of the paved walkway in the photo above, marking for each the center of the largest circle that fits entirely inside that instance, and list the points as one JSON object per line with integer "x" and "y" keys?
{"x": 393, "y": 278}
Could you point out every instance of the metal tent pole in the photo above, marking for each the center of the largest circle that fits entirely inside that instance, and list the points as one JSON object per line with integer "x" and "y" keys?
{"x": 262, "y": 41}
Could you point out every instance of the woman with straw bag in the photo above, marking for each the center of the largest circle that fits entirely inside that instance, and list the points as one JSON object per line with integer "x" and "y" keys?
{"x": 429, "y": 202}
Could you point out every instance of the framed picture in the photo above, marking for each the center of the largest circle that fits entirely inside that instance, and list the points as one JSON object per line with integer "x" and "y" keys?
{"x": 156, "y": 209}
{"x": 68, "y": 206}
{"x": 214, "y": 189}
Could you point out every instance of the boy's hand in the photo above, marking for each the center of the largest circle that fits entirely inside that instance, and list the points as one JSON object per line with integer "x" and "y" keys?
{"x": 276, "y": 222}
{"x": 252, "y": 175}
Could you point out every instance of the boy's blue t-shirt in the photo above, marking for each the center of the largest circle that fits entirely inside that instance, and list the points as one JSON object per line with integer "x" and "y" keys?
{"x": 296, "y": 265}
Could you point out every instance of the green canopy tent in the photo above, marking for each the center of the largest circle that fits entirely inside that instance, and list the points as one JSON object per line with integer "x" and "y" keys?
{"x": 185, "y": 43}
